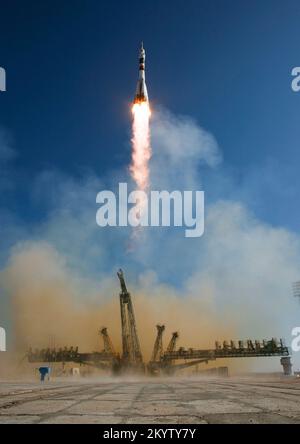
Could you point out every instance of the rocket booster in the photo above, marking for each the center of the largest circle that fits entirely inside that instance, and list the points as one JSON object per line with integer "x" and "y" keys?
{"x": 141, "y": 94}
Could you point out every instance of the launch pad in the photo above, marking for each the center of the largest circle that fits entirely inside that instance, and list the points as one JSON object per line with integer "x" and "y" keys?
{"x": 193, "y": 400}
{"x": 162, "y": 362}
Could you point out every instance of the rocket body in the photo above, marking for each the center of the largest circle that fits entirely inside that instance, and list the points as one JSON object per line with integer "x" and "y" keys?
{"x": 141, "y": 94}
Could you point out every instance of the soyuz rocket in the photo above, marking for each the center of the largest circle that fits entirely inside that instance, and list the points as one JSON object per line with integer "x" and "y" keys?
{"x": 141, "y": 94}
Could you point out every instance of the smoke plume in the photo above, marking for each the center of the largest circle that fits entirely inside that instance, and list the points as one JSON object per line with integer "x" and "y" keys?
{"x": 59, "y": 279}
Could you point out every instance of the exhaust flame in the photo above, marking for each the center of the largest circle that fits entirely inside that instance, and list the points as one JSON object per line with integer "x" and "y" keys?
{"x": 141, "y": 150}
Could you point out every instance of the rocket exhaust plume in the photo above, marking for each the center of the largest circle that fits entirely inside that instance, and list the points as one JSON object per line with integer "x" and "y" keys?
{"x": 141, "y": 150}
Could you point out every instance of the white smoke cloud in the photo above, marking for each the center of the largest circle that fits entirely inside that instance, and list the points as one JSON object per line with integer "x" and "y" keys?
{"x": 237, "y": 276}
{"x": 180, "y": 146}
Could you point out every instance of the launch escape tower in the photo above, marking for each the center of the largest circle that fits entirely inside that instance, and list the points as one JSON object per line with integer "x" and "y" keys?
{"x": 132, "y": 355}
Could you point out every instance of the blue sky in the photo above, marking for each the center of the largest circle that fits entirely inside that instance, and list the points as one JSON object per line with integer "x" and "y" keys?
{"x": 72, "y": 67}
{"x": 65, "y": 132}
{"x": 221, "y": 70}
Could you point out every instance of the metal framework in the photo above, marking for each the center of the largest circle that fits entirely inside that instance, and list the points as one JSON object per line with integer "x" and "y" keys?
{"x": 108, "y": 345}
{"x": 160, "y": 361}
{"x": 131, "y": 346}
{"x": 173, "y": 341}
{"x": 251, "y": 349}
{"x": 158, "y": 345}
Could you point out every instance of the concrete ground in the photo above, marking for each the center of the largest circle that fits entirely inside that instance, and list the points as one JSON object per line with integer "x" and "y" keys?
{"x": 152, "y": 401}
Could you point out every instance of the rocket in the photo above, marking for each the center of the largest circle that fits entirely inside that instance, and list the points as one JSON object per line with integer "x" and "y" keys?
{"x": 141, "y": 94}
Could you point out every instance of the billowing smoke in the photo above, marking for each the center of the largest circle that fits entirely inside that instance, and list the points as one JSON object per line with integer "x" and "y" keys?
{"x": 232, "y": 282}
{"x": 53, "y": 305}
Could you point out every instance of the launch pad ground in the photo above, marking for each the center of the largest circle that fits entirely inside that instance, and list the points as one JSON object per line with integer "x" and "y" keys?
{"x": 169, "y": 400}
